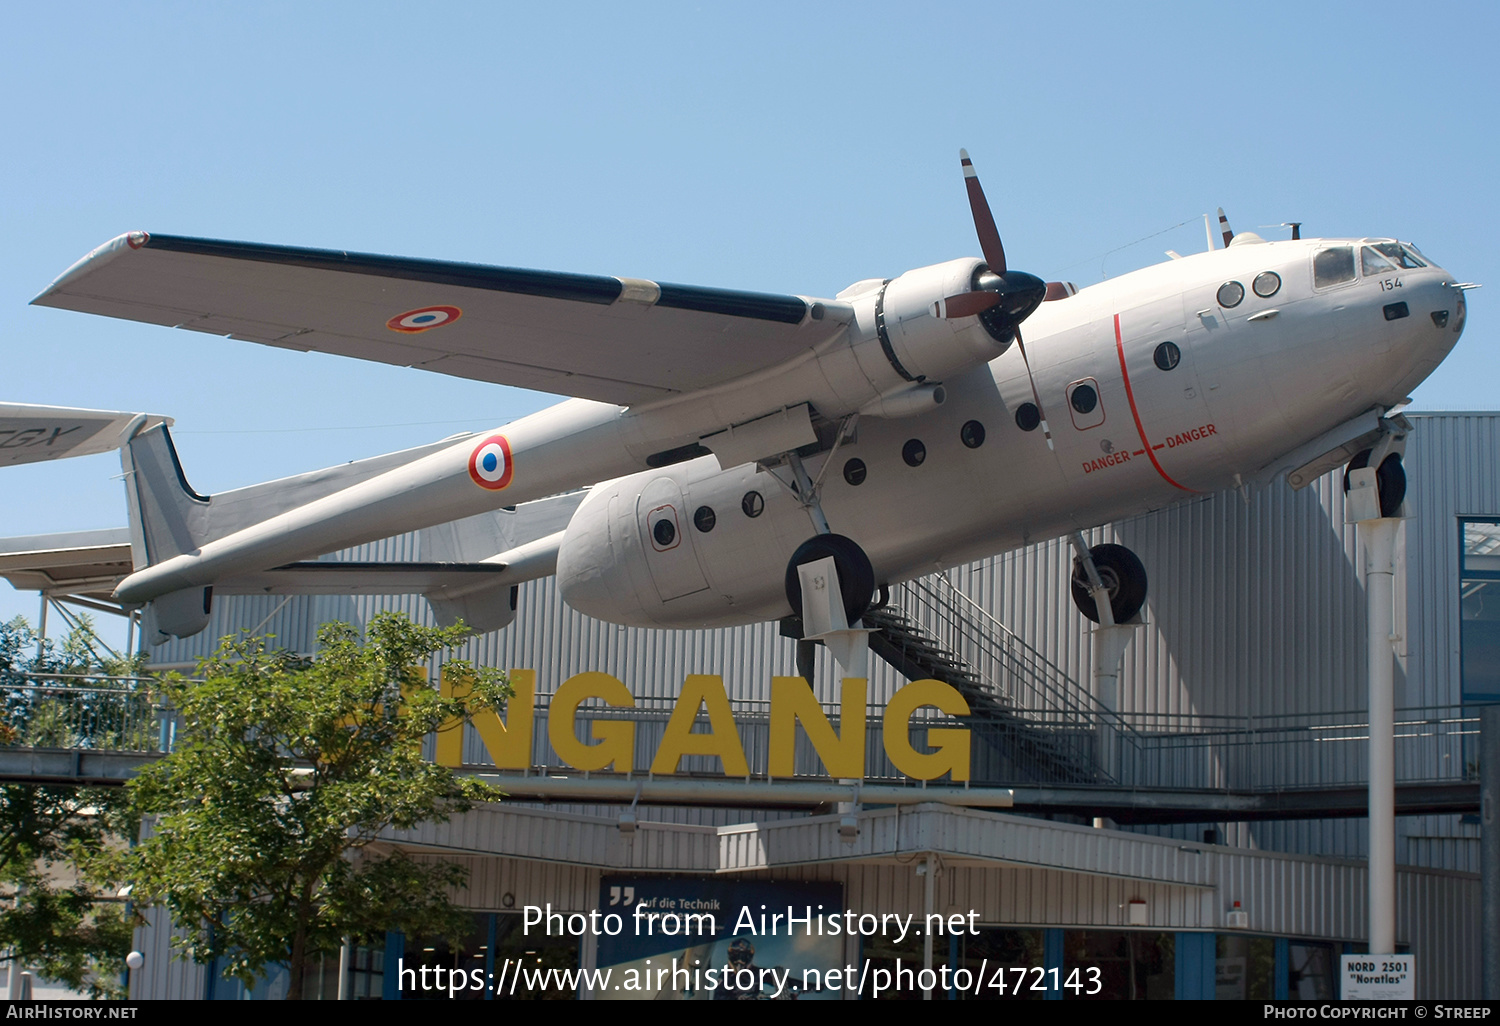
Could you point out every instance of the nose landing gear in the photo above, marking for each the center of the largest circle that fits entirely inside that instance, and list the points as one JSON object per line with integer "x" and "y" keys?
{"x": 1390, "y": 480}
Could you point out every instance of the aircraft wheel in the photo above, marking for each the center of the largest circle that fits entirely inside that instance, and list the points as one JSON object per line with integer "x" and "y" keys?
{"x": 856, "y": 575}
{"x": 1121, "y": 573}
{"x": 1390, "y": 480}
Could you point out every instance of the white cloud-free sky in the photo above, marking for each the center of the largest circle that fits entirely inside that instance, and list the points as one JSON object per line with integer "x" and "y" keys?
{"x": 769, "y": 146}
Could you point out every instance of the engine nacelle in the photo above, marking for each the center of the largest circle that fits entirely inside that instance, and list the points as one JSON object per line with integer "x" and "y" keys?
{"x": 901, "y": 322}
{"x": 682, "y": 547}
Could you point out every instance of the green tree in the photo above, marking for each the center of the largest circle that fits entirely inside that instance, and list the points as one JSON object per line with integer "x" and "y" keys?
{"x": 52, "y": 919}
{"x": 283, "y": 773}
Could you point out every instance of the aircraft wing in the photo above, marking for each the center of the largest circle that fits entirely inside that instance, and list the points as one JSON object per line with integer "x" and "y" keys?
{"x": 30, "y": 434}
{"x": 617, "y": 340}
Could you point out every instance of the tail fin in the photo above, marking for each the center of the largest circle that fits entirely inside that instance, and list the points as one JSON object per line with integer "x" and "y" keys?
{"x": 167, "y": 517}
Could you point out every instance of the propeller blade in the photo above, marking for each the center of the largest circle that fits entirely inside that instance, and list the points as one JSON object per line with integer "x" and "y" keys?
{"x": 984, "y": 221}
{"x": 967, "y": 304}
{"x": 1046, "y": 431}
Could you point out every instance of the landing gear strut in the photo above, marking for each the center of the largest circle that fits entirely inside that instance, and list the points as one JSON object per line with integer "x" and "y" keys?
{"x": 1123, "y": 576}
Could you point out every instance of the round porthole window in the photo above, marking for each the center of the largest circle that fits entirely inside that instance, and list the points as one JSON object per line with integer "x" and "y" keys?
{"x": 753, "y": 504}
{"x": 972, "y": 434}
{"x": 1028, "y": 417}
{"x": 914, "y": 452}
{"x": 1266, "y": 284}
{"x": 1231, "y": 294}
{"x": 1084, "y": 399}
{"x": 704, "y": 519}
{"x": 665, "y": 533}
{"x": 1167, "y": 356}
{"x": 854, "y": 471}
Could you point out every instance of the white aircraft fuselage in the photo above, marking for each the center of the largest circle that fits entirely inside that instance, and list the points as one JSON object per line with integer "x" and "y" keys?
{"x": 1155, "y": 386}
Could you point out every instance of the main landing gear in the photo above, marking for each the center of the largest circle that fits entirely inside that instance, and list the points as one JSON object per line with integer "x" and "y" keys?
{"x": 1123, "y": 577}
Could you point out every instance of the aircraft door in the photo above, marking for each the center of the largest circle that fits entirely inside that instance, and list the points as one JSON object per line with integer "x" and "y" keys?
{"x": 1171, "y": 375}
{"x": 667, "y": 540}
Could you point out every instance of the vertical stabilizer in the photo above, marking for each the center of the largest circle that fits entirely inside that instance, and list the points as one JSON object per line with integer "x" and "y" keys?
{"x": 167, "y": 518}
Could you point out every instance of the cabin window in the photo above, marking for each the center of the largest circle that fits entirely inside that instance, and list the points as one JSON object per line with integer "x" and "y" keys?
{"x": 1266, "y": 284}
{"x": 665, "y": 533}
{"x": 1333, "y": 267}
{"x": 1028, "y": 416}
{"x": 1167, "y": 356}
{"x": 1231, "y": 294}
{"x": 753, "y": 504}
{"x": 972, "y": 434}
{"x": 914, "y": 452}
{"x": 1084, "y": 398}
{"x": 854, "y": 471}
{"x": 704, "y": 519}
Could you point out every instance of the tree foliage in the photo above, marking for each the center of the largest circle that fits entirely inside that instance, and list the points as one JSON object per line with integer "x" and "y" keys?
{"x": 284, "y": 772}
{"x": 53, "y": 919}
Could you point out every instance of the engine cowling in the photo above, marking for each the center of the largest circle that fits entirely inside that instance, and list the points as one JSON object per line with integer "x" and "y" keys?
{"x": 900, "y": 337}
{"x": 642, "y": 551}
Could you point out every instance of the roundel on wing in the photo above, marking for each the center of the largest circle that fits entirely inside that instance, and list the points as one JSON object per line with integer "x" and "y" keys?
{"x": 490, "y": 464}
{"x": 413, "y": 321}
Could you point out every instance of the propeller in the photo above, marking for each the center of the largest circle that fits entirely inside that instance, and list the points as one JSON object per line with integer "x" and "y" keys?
{"x": 1004, "y": 297}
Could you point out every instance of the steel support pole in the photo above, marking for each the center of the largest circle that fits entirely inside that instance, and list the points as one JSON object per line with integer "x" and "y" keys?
{"x": 929, "y": 866}
{"x": 1379, "y": 538}
{"x": 1489, "y": 848}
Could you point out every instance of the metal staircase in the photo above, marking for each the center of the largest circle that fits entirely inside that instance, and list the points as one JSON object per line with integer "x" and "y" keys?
{"x": 1036, "y": 723}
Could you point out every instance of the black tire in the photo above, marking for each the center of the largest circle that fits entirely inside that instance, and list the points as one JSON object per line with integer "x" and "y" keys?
{"x": 1390, "y": 480}
{"x": 1121, "y": 572}
{"x": 856, "y": 575}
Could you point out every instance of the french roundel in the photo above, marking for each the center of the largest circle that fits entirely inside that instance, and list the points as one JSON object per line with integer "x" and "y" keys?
{"x": 428, "y": 317}
{"x": 490, "y": 464}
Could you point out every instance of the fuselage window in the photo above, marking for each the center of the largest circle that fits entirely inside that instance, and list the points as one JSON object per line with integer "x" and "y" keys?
{"x": 854, "y": 471}
{"x": 704, "y": 519}
{"x": 1266, "y": 284}
{"x": 1231, "y": 294}
{"x": 665, "y": 533}
{"x": 1167, "y": 356}
{"x": 1028, "y": 417}
{"x": 914, "y": 452}
{"x": 1084, "y": 398}
{"x": 1333, "y": 267}
{"x": 753, "y": 504}
{"x": 972, "y": 434}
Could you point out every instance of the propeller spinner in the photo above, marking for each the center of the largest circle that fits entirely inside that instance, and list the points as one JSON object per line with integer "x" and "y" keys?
{"x": 1003, "y": 297}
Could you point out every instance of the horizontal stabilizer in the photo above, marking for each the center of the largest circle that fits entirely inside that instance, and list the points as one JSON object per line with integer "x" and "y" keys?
{"x": 30, "y": 434}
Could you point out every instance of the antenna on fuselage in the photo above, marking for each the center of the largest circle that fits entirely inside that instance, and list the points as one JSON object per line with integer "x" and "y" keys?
{"x": 1295, "y": 226}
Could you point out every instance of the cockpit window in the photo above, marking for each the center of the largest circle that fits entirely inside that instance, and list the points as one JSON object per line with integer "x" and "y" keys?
{"x": 1401, "y": 256}
{"x": 1373, "y": 264}
{"x": 1333, "y": 266}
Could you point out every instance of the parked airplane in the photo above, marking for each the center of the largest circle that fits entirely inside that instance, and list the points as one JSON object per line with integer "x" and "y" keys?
{"x": 899, "y": 427}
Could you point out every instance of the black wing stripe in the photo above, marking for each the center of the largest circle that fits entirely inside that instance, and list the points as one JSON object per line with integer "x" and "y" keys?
{"x": 756, "y": 305}
{"x": 582, "y": 288}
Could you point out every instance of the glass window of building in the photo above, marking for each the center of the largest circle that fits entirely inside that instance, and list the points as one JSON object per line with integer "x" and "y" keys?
{"x": 1008, "y": 958}
{"x": 1134, "y": 965}
{"x": 1245, "y": 969}
{"x": 1479, "y": 609}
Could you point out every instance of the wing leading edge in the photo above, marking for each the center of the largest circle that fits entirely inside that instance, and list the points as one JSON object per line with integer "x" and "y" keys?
{"x": 616, "y": 340}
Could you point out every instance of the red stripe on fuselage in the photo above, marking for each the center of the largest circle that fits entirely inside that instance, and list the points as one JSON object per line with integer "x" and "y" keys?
{"x": 1140, "y": 429}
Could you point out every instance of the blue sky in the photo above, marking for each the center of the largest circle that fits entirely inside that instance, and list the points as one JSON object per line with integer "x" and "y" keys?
{"x": 779, "y": 147}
